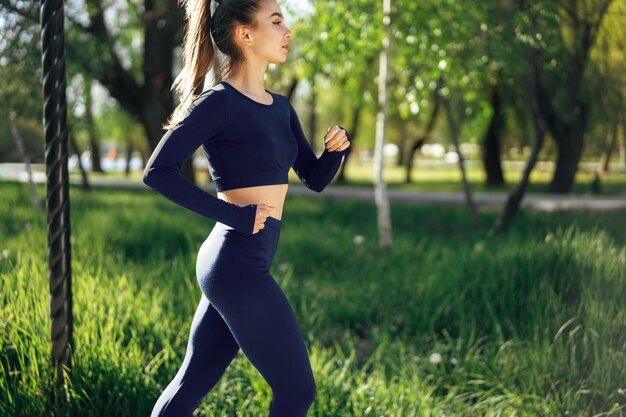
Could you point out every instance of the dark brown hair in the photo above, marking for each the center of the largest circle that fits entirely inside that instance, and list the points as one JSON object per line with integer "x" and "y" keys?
{"x": 199, "y": 53}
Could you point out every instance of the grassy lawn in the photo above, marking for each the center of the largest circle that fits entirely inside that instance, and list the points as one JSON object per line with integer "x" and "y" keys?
{"x": 448, "y": 178}
{"x": 531, "y": 323}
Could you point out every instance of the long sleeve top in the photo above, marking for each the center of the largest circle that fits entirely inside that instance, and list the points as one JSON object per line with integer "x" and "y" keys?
{"x": 247, "y": 143}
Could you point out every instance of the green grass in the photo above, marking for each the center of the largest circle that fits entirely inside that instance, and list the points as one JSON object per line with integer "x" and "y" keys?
{"x": 530, "y": 323}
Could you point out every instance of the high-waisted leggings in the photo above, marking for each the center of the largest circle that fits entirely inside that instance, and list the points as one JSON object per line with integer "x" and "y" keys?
{"x": 241, "y": 306}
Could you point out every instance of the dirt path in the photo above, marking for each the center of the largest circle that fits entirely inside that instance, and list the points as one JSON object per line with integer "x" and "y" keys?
{"x": 532, "y": 201}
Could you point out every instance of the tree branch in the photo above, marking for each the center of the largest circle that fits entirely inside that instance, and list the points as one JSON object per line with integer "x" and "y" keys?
{"x": 30, "y": 15}
{"x": 120, "y": 82}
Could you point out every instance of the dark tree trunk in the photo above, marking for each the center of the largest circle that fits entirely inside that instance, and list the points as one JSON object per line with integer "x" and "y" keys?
{"x": 151, "y": 102}
{"x": 356, "y": 115}
{"x": 563, "y": 101}
{"x": 94, "y": 146}
{"x": 402, "y": 142}
{"x": 491, "y": 142}
{"x": 292, "y": 88}
{"x": 313, "y": 114}
{"x": 570, "y": 147}
{"x": 354, "y": 123}
{"x": 612, "y": 141}
{"x": 608, "y": 150}
{"x": 129, "y": 151}
{"x": 454, "y": 134}
{"x": 353, "y": 132}
{"x": 143, "y": 156}
{"x": 568, "y": 124}
{"x": 76, "y": 150}
{"x": 623, "y": 156}
{"x": 417, "y": 144}
{"x": 515, "y": 198}
{"x": 17, "y": 137}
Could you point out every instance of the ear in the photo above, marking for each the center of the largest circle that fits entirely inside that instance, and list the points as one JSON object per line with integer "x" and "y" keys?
{"x": 243, "y": 35}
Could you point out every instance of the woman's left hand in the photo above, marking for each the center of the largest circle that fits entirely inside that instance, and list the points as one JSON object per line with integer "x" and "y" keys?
{"x": 336, "y": 139}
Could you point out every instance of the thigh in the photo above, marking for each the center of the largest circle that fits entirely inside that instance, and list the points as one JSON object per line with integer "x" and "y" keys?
{"x": 264, "y": 325}
{"x": 210, "y": 338}
{"x": 210, "y": 349}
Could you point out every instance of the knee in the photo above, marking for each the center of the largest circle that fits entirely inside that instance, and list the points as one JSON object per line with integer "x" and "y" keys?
{"x": 300, "y": 394}
{"x": 305, "y": 393}
{"x": 309, "y": 392}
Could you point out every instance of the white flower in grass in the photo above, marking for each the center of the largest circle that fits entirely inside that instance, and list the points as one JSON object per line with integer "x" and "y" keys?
{"x": 358, "y": 239}
{"x": 5, "y": 253}
{"x": 435, "y": 358}
{"x": 282, "y": 267}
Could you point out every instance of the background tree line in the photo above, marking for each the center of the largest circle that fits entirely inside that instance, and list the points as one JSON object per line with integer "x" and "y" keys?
{"x": 489, "y": 61}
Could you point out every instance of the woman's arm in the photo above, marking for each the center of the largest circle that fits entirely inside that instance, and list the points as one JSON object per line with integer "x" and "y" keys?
{"x": 204, "y": 122}
{"x": 315, "y": 173}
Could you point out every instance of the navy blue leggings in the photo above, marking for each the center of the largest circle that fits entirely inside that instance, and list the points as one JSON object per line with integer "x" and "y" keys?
{"x": 242, "y": 306}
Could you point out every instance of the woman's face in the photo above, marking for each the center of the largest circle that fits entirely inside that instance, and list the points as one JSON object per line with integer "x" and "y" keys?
{"x": 271, "y": 34}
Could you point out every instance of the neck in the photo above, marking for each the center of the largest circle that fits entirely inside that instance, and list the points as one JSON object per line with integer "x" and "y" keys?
{"x": 249, "y": 79}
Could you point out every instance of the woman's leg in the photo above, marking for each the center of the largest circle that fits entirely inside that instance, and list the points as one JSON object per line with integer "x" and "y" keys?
{"x": 264, "y": 325}
{"x": 210, "y": 350}
{"x": 233, "y": 274}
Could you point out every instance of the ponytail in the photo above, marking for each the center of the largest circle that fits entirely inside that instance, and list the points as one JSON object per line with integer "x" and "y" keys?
{"x": 200, "y": 54}
{"x": 198, "y": 57}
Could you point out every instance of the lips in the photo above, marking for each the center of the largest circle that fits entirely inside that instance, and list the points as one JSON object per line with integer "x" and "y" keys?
{"x": 286, "y": 47}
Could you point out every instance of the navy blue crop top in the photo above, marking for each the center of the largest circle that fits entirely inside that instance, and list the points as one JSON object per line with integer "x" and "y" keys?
{"x": 247, "y": 143}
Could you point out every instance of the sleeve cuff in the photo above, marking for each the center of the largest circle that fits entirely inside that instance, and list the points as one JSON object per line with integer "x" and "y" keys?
{"x": 251, "y": 217}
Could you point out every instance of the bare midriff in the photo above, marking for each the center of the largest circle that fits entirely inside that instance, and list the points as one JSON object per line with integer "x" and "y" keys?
{"x": 273, "y": 195}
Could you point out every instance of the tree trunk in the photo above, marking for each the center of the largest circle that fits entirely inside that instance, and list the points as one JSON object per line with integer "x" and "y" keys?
{"x": 608, "y": 150}
{"x": 491, "y": 141}
{"x": 313, "y": 113}
{"x": 353, "y": 134}
{"x": 454, "y": 133}
{"x": 624, "y": 140}
{"x": 152, "y": 102}
{"x": 622, "y": 154}
{"x": 292, "y": 88}
{"x": 129, "y": 151}
{"x": 564, "y": 101}
{"x": 76, "y": 150}
{"x": 515, "y": 198}
{"x": 380, "y": 192}
{"x": 512, "y": 204}
{"x": 91, "y": 130}
{"x": 17, "y": 137}
{"x": 143, "y": 156}
{"x": 402, "y": 144}
{"x": 426, "y": 136}
{"x": 356, "y": 115}
{"x": 570, "y": 146}
{"x": 417, "y": 144}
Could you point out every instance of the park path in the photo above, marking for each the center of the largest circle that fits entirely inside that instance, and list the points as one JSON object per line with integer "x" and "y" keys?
{"x": 531, "y": 201}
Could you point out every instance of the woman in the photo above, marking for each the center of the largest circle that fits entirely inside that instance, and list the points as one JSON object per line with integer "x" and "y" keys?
{"x": 251, "y": 137}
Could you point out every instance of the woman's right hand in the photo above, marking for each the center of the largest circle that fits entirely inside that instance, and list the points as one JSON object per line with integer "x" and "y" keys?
{"x": 262, "y": 212}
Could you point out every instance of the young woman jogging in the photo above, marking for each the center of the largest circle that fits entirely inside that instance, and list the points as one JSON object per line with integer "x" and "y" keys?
{"x": 251, "y": 138}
